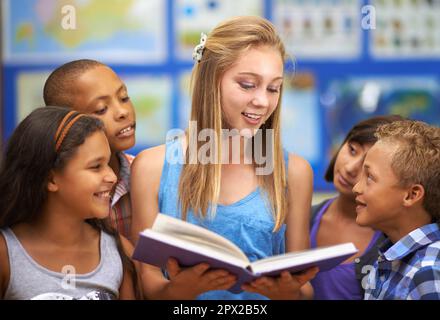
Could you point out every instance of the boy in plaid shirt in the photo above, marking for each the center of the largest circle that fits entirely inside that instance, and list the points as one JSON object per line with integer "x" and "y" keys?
{"x": 399, "y": 194}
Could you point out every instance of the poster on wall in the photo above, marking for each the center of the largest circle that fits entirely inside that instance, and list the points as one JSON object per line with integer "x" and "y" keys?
{"x": 319, "y": 29}
{"x": 112, "y": 31}
{"x": 195, "y": 16}
{"x": 406, "y": 29}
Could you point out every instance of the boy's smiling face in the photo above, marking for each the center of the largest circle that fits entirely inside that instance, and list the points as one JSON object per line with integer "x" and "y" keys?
{"x": 101, "y": 93}
{"x": 379, "y": 196}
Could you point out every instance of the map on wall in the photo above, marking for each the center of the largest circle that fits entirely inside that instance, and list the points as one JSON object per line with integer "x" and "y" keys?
{"x": 196, "y": 16}
{"x": 29, "y": 92}
{"x": 113, "y": 31}
{"x": 151, "y": 97}
{"x": 348, "y": 101}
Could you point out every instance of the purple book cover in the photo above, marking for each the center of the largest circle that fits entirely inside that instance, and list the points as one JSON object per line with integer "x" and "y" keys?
{"x": 156, "y": 253}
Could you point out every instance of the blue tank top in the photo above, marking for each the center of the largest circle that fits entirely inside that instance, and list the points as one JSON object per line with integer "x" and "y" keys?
{"x": 248, "y": 223}
{"x": 339, "y": 283}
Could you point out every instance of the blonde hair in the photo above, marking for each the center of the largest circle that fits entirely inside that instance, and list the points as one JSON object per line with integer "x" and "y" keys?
{"x": 199, "y": 185}
{"x": 417, "y": 159}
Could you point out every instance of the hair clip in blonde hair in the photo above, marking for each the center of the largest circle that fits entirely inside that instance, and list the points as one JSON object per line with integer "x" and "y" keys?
{"x": 198, "y": 50}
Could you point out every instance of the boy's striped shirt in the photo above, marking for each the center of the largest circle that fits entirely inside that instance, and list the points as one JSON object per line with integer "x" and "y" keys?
{"x": 120, "y": 211}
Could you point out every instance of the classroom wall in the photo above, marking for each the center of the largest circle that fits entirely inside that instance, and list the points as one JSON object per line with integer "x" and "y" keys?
{"x": 340, "y": 70}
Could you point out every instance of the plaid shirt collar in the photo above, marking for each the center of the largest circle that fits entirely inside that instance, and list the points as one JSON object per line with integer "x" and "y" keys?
{"x": 123, "y": 184}
{"x": 413, "y": 241}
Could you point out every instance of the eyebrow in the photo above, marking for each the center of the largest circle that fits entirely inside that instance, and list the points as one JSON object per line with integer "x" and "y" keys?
{"x": 122, "y": 87}
{"x": 99, "y": 159}
{"x": 368, "y": 168}
{"x": 257, "y": 75}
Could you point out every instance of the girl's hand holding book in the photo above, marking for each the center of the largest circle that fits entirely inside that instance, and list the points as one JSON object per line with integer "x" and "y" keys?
{"x": 285, "y": 287}
{"x": 188, "y": 283}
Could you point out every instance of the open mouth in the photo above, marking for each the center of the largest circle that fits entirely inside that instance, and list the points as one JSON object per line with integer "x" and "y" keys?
{"x": 104, "y": 195}
{"x": 360, "y": 205}
{"x": 127, "y": 132}
{"x": 252, "y": 117}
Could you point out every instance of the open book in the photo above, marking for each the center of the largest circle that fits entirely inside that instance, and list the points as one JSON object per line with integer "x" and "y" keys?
{"x": 191, "y": 245}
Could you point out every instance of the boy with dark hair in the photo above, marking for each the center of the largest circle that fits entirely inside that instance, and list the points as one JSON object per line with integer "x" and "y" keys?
{"x": 91, "y": 87}
{"x": 399, "y": 194}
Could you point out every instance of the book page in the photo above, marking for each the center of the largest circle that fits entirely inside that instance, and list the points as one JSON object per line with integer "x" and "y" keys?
{"x": 290, "y": 259}
{"x": 196, "y": 234}
{"x": 195, "y": 245}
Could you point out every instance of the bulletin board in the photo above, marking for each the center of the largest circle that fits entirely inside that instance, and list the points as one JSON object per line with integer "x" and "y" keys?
{"x": 340, "y": 69}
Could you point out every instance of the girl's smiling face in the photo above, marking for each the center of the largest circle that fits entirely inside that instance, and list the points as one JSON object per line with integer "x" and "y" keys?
{"x": 250, "y": 89}
{"x": 85, "y": 183}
